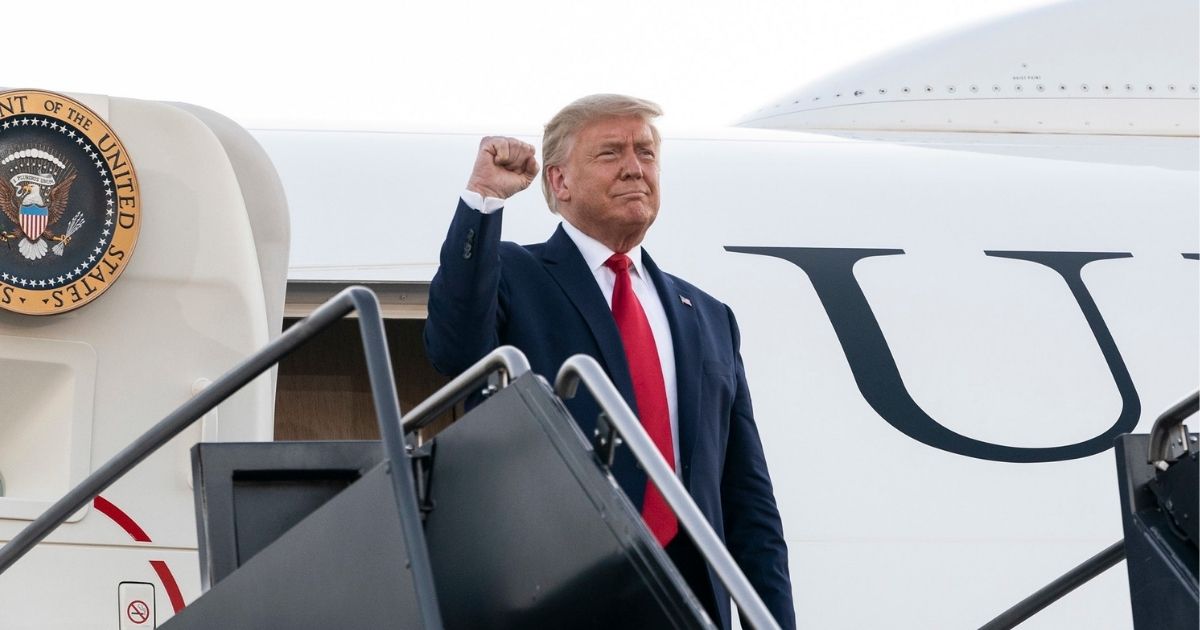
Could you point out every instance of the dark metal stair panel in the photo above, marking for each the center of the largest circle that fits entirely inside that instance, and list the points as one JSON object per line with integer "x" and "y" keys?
{"x": 1177, "y": 491}
{"x": 249, "y": 494}
{"x": 1164, "y": 594}
{"x": 528, "y": 531}
{"x": 344, "y": 566}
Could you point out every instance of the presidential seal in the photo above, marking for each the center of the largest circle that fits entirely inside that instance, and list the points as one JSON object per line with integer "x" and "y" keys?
{"x": 70, "y": 209}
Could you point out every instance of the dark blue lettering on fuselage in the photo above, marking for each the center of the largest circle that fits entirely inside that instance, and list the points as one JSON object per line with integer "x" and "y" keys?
{"x": 831, "y": 271}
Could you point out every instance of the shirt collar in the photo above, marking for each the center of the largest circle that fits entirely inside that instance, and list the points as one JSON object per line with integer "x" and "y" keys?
{"x": 596, "y": 253}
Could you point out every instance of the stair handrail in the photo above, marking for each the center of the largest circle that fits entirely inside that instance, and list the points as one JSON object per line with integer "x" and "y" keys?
{"x": 506, "y": 361}
{"x": 387, "y": 410}
{"x": 1055, "y": 590}
{"x": 1169, "y": 438}
{"x": 582, "y": 367}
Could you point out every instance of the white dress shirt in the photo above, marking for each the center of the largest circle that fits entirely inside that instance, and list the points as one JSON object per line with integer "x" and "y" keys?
{"x": 595, "y": 254}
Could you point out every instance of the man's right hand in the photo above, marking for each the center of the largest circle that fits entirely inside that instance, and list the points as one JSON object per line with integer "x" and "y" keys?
{"x": 503, "y": 168}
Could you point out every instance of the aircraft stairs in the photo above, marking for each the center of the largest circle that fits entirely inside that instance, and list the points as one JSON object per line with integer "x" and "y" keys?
{"x": 507, "y": 518}
{"x": 448, "y": 533}
{"x": 1158, "y": 479}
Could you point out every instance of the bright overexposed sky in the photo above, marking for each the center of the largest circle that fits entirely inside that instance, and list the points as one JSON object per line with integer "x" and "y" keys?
{"x": 389, "y": 65}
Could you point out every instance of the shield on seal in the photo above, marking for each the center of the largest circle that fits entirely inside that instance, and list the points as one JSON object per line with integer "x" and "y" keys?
{"x": 33, "y": 221}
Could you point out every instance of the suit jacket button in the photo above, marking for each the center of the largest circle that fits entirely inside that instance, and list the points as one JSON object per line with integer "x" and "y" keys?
{"x": 469, "y": 244}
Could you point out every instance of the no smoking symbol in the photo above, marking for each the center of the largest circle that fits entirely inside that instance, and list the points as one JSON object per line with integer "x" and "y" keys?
{"x": 138, "y": 611}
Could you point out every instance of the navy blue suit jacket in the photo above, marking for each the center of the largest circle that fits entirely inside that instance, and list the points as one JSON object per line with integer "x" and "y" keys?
{"x": 544, "y": 300}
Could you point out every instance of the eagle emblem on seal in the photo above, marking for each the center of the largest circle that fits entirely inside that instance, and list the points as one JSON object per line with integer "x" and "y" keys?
{"x": 34, "y": 188}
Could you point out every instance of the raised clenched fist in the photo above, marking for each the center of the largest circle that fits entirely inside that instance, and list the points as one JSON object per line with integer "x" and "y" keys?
{"x": 503, "y": 168}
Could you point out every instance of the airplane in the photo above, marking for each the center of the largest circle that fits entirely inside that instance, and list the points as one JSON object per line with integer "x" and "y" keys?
{"x": 961, "y": 270}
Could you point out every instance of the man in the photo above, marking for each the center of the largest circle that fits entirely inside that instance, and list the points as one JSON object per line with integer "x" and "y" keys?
{"x": 671, "y": 349}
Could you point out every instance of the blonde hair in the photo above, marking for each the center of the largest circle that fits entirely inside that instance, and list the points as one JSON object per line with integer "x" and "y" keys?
{"x": 560, "y": 132}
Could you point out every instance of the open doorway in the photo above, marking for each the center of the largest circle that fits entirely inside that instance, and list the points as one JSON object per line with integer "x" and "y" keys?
{"x": 323, "y": 392}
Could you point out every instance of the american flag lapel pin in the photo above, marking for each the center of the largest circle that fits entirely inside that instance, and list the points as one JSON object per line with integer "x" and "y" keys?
{"x": 685, "y": 300}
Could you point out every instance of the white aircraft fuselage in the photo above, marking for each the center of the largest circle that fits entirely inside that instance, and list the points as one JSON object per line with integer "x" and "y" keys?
{"x": 959, "y": 272}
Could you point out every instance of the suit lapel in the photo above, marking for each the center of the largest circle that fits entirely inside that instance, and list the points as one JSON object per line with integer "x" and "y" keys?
{"x": 566, "y": 265}
{"x": 685, "y": 331}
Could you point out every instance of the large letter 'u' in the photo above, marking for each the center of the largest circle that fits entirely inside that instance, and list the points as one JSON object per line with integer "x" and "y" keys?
{"x": 831, "y": 271}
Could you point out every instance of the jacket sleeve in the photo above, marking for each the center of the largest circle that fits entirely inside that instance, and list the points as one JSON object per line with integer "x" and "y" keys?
{"x": 464, "y": 296}
{"x": 753, "y": 528}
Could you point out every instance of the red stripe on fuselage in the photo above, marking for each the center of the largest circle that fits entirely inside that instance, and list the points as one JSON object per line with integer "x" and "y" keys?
{"x": 121, "y": 518}
{"x": 138, "y": 534}
{"x": 168, "y": 580}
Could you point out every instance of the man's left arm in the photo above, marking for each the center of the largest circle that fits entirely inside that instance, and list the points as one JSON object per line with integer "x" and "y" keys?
{"x": 753, "y": 529}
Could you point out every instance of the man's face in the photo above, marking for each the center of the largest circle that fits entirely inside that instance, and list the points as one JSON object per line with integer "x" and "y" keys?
{"x": 609, "y": 184}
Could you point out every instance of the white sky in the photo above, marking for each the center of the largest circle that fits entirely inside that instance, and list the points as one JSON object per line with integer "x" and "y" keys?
{"x": 477, "y": 64}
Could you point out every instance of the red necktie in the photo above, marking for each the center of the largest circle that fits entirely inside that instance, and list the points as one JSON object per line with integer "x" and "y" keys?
{"x": 648, "y": 389}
